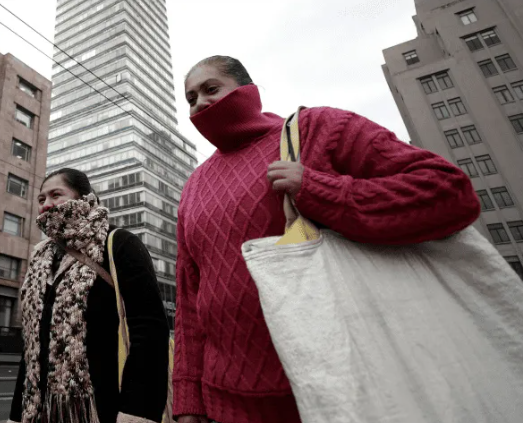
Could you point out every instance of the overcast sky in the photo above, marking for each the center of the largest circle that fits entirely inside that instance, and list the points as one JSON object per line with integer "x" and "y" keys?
{"x": 300, "y": 52}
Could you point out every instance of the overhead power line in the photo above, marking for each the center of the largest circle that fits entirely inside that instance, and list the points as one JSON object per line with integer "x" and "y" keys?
{"x": 124, "y": 98}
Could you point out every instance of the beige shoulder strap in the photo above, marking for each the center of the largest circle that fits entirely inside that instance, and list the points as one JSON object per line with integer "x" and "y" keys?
{"x": 124, "y": 343}
{"x": 298, "y": 229}
{"x": 82, "y": 258}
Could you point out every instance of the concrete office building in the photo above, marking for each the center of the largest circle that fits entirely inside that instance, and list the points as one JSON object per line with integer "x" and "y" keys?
{"x": 121, "y": 128}
{"x": 24, "y": 124}
{"x": 459, "y": 89}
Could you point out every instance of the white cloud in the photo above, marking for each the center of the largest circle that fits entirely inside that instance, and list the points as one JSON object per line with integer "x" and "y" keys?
{"x": 310, "y": 52}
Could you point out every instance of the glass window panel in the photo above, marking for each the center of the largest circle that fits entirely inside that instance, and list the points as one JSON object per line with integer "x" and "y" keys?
{"x": 468, "y": 167}
{"x": 503, "y": 94}
{"x": 27, "y": 88}
{"x": 471, "y": 134}
{"x": 21, "y": 150}
{"x": 444, "y": 80}
{"x": 515, "y": 263}
{"x": 516, "y": 228}
{"x": 454, "y": 138}
{"x": 13, "y": 224}
{"x": 457, "y": 107}
{"x": 17, "y": 186}
{"x": 411, "y": 57}
{"x": 486, "y": 164}
{"x": 9, "y": 267}
{"x": 490, "y": 38}
{"x": 488, "y": 68}
{"x": 502, "y": 197}
{"x": 518, "y": 89}
{"x": 24, "y": 117}
{"x": 474, "y": 43}
{"x": 485, "y": 200}
{"x": 428, "y": 84}
{"x": 517, "y": 123}
{"x": 467, "y": 17}
{"x": 506, "y": 63}
{"x": 498, "y": 233}
{"x": 441, "y": 111}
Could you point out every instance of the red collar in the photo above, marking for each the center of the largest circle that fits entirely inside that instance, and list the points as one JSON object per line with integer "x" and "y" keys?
{"x": 235, "y": 120}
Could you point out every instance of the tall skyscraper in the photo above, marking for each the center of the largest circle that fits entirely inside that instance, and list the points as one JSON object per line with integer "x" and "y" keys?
{"x": 24, "y": 124}
{"x": 459, "y": 89}
{"x": 121, "y": 128}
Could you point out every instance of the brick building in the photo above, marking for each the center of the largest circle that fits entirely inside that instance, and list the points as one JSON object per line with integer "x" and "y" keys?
{"x": 25, "y": 98}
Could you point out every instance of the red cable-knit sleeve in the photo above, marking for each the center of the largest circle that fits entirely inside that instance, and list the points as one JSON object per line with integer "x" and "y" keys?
{"x": 188, "y": 355}
{"x": 379, "y": 189}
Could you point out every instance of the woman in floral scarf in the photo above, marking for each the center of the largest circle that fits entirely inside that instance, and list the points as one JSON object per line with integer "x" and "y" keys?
{"x": 69, "y": 367}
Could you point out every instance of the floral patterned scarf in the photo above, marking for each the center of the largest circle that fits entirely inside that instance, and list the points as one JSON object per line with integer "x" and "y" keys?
{"x": 82, "y": 225}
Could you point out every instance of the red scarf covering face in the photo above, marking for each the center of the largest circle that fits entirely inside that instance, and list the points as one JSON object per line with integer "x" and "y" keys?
{"x": 235, "y": 120}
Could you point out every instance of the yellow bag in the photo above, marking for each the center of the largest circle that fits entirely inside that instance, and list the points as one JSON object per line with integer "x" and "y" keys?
{"x": 123, "y": 338}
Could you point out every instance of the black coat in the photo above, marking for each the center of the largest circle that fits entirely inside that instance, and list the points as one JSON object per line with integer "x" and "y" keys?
{"x": 144, "y": 384}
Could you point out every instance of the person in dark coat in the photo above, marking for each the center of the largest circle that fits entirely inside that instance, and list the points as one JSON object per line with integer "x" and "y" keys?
{"x": 69, "y": 366}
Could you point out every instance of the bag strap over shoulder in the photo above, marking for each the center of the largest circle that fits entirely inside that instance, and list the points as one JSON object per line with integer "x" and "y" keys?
{"x": 82, "y": 258}
{"x": 124, "y": 343}
{"x": 298, "y": 229}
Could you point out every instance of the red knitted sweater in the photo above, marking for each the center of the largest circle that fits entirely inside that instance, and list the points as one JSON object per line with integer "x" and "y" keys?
{"x": 359, "y": 180}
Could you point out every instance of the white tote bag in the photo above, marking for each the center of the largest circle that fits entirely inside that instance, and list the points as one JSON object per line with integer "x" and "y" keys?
{"x": 427, "y": 333}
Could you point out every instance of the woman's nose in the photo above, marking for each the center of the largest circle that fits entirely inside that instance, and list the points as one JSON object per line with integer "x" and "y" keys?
{"x": 47, "y": 205}
{"x": 201, "y": 104}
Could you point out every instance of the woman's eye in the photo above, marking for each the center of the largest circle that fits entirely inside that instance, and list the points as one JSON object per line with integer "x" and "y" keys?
{"x": 56, "y": 195}
{"x": 191, "y": 101}
{"x": 212, "y": 90}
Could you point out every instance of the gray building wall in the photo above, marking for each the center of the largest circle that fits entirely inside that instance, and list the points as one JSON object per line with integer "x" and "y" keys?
{"x": 19, "y": 201}
{"x": 441, "y": 47}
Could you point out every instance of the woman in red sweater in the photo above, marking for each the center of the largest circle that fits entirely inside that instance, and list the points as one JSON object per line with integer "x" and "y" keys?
{"x": 355, "y": 178}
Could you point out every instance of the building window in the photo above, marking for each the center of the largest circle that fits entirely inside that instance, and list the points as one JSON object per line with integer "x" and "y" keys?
{"x": 518, "y": 88}
{"x": 486, "y": 165}
{"x": 444, "y": 80}
{"x": 411, "y": 57}
{"x": 9, "y": 267}
{"x": 428, "y": 84}
{"x": 468, "y": 167}
{"x": 441, "y": 111}
{"x": 517, "y": 229}
{"x": 21, "y": 150}
{"x": 467, "y": 17}
{"x": 454, "y": 138}
{"x": 490, "y": 38}
{"x": 457, "y": 107}
{"x": 17, "y": 186}
{"x": 517, "y": 123}
{"x": 27, "y": 88}
{"x": 488, "y": 68}
{"x": 471, "y": 134}
{"x": 24, "y": 117}
{"x": 473, "y": 43}
{"x": 485, "y": 200}
{"x": 515, "y": 264}
{"x": 498, "y": 233}
{"x": 502, "y": 197}
{"x": 503, "y": 94}
{"x": 13, "y": 224}
{"x": 506, "y": 63}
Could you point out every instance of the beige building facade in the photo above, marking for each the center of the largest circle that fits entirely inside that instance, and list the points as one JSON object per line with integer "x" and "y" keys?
{"x": 25, "y": 99}
{"x": 459, "y": 90}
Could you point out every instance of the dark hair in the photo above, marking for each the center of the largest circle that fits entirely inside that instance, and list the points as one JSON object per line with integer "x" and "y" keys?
{"x": 74, "y": 179}
{"x": 228, "y": 66}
